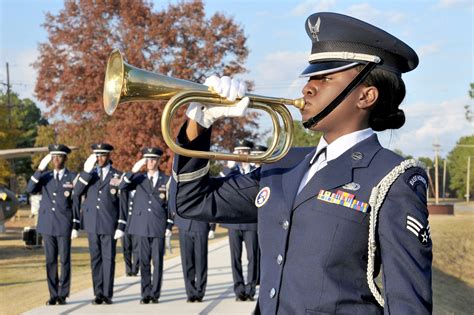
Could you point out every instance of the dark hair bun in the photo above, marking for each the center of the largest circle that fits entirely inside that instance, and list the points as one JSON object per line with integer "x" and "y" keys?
{"x": 391, "y": 121}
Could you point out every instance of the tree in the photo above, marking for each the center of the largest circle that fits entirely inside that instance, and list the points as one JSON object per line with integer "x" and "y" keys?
{"x": 304, "y": 137}
{"x": 178, "y": 41}
{"x": 19, "y": 123}
{"x": 469, "y": 114}
{"x": 458, "y": 166}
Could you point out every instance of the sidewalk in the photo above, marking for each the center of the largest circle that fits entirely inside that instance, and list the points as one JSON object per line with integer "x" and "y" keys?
{"x": 219, "y": 297}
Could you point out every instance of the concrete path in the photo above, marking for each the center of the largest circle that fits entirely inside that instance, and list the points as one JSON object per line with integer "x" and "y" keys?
{"x": 219, "y": 297}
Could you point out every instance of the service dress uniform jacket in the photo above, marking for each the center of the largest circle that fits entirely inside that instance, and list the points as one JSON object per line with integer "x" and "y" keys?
{"x": 149, "y": 220}
{"x": 100, "y": 217}
{"x": 243, "y": 233}
{"x": 55, "y": 222}
{"x": 313, "y": 247}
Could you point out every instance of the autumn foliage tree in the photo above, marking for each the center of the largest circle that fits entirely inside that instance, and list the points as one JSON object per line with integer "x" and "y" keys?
{"x": 178, "y": 41}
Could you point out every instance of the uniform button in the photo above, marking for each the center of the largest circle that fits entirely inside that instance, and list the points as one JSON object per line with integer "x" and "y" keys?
{"x": 149, "y": 209}
{"x": 54, "y": 194}
{"x": 130, "y": 208}
{"x": 286, "y": 224}
{"x": 97, "y": 207}
{"x": 129, "y": 213}
{"x": 149, "y": 202}
{"x": 54, "y": 201}
{"x": 272, "y": 293}
{"x": 98, "y": 199}
{"x": 279, "y": 259}
{"x": 100, "y": 191}
{"x": 53, "y": 208}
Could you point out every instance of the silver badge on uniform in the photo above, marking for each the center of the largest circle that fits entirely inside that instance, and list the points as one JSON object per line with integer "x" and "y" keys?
{"x": 262, "y": 196}
{"x": 351, "y": 186}
{"x": 357, "y": 156}
{"x": 113, "y": 191}
{"x": 67, "y": 193}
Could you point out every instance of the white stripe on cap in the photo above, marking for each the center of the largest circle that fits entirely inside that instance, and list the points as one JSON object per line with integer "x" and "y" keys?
{"x": 57, "y": 152}
{"x": 242, "y": 148}
{"x": 151, "y": 155}
{"x": 100, "y": 151}
{"x": 343, "y": 55}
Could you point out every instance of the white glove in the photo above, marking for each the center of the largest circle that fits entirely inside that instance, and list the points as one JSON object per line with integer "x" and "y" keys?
{"x": 44, "y": 162}
{"x": 211, "y": 235}
{"x": 74, "y": 234}
{"x": 207, "y": 114}
{"x": 138, "y": 165}
{"x": 90, "y": 163}
{"x": 118, "y": 234}
{"x": 168, "y": 233}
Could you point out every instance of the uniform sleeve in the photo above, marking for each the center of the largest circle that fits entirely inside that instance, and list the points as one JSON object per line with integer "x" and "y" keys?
{"x": 79, "y": 189}
{"x": 195, "y": 195}
{"x": 128, "y": 181}
{"x": 123, "y": 210}
{"x": 405, "y": 245}
{"x": 76, "y": 215}
{"x": 34, "y": 184}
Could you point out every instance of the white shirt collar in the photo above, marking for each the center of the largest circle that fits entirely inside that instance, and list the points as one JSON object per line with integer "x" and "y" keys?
{"x": 341, "y": 144}
{"x": 60, "y": 173}
{"x": 155, "y": 177}
{"x": 105, "y": 171}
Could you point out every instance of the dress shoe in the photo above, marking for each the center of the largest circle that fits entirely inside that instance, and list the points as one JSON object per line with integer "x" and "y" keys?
{"x": 129, "y": 274}
{"x": 62, "y": 301}
{"x": 250, "y": 298}
{"x": 191, "y": 300}
{"x": 51, "y": 301}
{"x": 107, "y": 300}
{"x": 241, "y": 298}
{"x": 154, "y": 300}
{"x": 98, "y": 300}
{"x": 199, "y": 299}
{"x": 145, "y": 300}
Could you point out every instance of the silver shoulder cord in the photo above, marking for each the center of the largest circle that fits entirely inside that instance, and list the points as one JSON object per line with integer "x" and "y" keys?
{"x": 376, "y": 200}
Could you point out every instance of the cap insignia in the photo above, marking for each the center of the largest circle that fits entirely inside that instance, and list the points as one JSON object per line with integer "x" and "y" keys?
{"x": 314, "y": 29}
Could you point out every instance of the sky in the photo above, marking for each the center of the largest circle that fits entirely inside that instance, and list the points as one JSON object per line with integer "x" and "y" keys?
{"x": 440, "y": 31}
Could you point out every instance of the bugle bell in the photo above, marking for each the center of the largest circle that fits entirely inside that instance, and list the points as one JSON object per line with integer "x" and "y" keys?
{"x": 126, "y": 83}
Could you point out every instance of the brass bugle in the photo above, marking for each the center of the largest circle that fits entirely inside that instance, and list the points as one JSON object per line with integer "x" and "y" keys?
{"x": 125, "y": 83}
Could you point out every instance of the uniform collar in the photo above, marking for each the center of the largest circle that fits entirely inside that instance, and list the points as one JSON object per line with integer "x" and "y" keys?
{"x": 60, "y": 173}
{"x": 341, "y": 144}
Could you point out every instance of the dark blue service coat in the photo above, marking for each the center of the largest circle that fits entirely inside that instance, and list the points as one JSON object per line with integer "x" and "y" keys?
{"x": 55, "y": 215}
{"x": 100, "y": 208}
{"x": 150, "y": 216}
{"x": 314, "y": 250}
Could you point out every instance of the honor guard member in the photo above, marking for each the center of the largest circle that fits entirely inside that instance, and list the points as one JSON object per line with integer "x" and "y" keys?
{"x": 130, "y": 243}
{"x": 193, "y": 244}
{"x": 243, "y": 233}
{"x": 98, "y": 186}
{"x": 328, "y": 223}
{"x": 55, "y": 219}
{"x": 150, "y": 220}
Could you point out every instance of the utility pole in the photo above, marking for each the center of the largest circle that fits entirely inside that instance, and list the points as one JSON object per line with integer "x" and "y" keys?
{"x": 444, "y": 178}
{"x": 468, "y": 177}
{"x": 436, "y": 147}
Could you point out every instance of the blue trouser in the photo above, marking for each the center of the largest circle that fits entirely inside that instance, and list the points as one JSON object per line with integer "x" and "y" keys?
{"x": 102, "y": 250}
{"x": 151, "y": 249}
{"x": 193, "y": 247}
{"x": 131, "y": 245}
{"x": 54, "y": 246}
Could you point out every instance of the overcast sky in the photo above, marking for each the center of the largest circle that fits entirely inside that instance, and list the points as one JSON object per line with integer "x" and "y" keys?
{"x": 440, "y": 31}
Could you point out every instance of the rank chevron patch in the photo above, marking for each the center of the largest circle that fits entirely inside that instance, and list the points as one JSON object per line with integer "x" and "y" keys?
{"x": 422, "y": 233}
